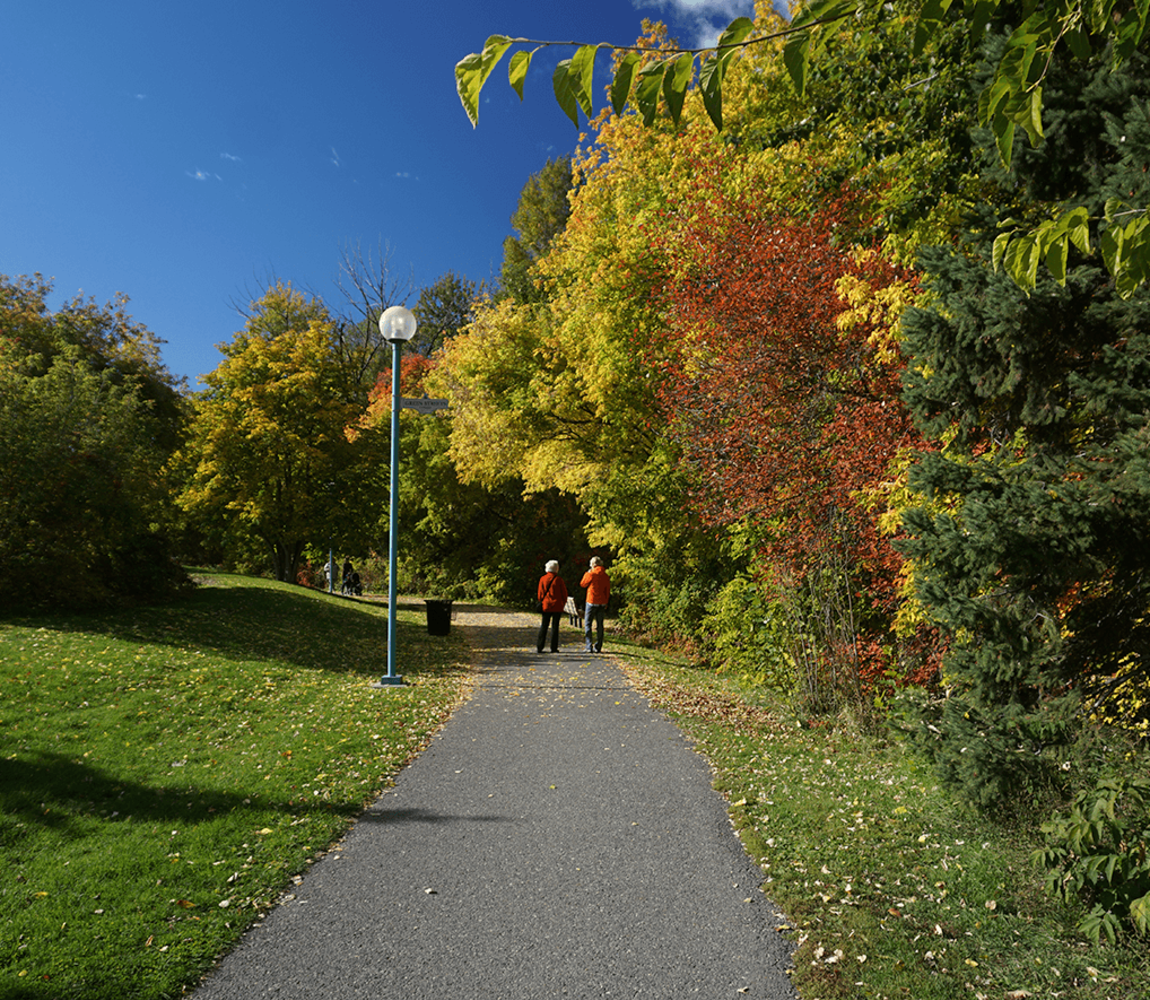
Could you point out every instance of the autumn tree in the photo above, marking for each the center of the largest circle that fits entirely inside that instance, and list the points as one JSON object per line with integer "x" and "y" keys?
{"x": 88, "y": 416}
{"x": 462, "y": 537}
{"x": 781, "y": 382}
{"x": 271, "y": 452}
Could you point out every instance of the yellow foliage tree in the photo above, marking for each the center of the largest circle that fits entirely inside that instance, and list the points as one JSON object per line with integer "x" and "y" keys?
{"x": 269, "y": 449}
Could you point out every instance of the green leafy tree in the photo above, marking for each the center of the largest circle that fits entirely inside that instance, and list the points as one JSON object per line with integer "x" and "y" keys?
{"x": 273, "y": 455}
{"x": 444, "y": 308}
{"x": 540, "y": 215}
{"x": 88, "y": 415}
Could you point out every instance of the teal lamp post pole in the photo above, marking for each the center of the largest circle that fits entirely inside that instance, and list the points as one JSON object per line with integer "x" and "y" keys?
{"x": 397, "y": 325}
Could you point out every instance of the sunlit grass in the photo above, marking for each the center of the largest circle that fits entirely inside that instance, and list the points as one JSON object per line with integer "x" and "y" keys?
{"x": 166, "y": 771}
{"x": 891, "y": 889}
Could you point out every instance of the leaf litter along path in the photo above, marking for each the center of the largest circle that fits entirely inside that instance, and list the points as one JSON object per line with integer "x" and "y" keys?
{"x": 558, "y": 838}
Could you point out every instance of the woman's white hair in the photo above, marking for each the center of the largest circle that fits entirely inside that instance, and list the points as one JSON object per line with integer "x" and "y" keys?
{"x": 552, "y": 565}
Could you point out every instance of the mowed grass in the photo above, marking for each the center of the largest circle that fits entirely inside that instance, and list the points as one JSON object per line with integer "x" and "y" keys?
{"x": 166, "y": 772}
{"x": 891, "y": 890}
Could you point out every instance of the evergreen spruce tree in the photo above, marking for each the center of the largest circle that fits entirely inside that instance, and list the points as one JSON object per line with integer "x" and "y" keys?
{"x": 1032, "y": 545}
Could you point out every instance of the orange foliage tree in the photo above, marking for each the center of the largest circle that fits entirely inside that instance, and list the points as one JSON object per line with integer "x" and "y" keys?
{"x": 780, "y": 378}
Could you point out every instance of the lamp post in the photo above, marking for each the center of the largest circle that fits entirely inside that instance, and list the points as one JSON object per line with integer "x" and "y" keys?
{"x": 397, "y": 325}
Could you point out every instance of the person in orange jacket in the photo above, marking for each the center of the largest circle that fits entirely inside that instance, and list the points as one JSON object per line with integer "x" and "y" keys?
{"x": 598, "y": 586}
{"x": 552, "y": 599}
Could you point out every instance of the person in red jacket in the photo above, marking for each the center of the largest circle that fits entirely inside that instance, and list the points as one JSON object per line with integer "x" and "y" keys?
{"x": 553, "y": 600}
{"x": 598, "y": 594}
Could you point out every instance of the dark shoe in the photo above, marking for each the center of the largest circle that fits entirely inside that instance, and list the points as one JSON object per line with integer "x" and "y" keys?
{"x": 539, "y": 651}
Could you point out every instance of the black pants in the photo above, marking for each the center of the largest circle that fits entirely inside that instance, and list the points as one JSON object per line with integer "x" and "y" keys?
{"x": 552, "y": 617}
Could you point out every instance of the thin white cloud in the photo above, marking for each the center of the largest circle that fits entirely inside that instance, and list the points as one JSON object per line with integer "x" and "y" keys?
{"x": 228, "y": 156}
{"x": 203, "y": 175}
{"x": 705, "y": 19}
{"x": 335, "y": 157}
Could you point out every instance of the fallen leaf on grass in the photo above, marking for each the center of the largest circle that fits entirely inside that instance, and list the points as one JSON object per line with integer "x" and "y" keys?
{"x": 187, "y": 904}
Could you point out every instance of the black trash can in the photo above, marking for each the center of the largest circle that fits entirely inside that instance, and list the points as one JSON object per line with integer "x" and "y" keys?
{"x": 438, "y": 617}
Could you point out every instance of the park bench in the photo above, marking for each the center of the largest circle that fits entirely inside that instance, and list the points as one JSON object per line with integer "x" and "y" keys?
{"x": 574, "y": 613}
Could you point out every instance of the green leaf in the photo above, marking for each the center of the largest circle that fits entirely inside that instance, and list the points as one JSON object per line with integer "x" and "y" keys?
{"x": 1077, "y": 224}
{"x": 796, "y": 57}
{"x": 1001, "y": 244}
{"x": 1111, "y": 240}
{"x": 930, "y": 20}
{"x": 733, "y": 34}
{"x": 1003, "y": 129}
{"x": 1140, "y": 914}
{"x": 1130, "y": 31}
{"x": 676, "y": 79}
{"x": 991, "y": 100}
{"x": 979, "y": 19}
{"x": 1029, "y": 116}
{"x": 517, "y": 71}
{"x": 471, "y": 73}
{"x": 647, "y": 90}
{"x": 621, "y": 85}
{"x": 1021, "y": 262}
{"x": 561, "y": 82}
{"x": 714, "y": 68}
{"x": 711, "y": 84}
{"x": 581, "y": 74}
{"x": 1079, "y": 43}
{"x": 1055, "y": 258}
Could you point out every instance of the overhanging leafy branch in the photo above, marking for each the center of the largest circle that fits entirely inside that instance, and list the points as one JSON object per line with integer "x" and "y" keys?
{"x": 1012, "y": 99}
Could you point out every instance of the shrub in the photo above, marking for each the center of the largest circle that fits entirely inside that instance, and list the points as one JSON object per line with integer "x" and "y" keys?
{"x": 743, "y": 633}
{"x": 1097, "y": 855}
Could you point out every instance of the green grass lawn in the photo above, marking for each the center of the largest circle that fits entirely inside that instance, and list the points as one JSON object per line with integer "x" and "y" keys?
{"x": 165, "y": 772}
{"x": 891, "y": 890}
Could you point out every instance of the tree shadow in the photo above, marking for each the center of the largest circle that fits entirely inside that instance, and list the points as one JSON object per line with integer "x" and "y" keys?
{"x": 260, "y": 623}
{"x": 50, "y": 791}
{"x": 385, "y": 815}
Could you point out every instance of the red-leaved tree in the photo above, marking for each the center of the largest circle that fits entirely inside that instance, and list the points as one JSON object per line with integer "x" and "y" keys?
{"x": 792, "y": 425}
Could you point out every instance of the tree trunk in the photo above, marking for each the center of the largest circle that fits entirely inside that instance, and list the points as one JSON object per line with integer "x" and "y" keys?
{"x": 285, "y": 559}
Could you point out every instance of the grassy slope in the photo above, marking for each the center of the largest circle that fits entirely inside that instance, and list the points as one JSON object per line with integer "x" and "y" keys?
{"x": 165, "y": 772}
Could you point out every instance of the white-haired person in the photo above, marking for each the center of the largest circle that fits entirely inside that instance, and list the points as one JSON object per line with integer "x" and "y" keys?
{"x": 552, "y": 593}
{"x": 598, "y": 594}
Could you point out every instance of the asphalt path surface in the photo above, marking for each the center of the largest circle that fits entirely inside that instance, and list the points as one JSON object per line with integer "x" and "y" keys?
{"x": 558, "y": 838}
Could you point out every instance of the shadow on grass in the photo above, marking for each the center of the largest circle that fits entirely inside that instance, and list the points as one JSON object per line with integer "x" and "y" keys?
{"x": 259, "y": 621}
{"x": 47, "y": 790}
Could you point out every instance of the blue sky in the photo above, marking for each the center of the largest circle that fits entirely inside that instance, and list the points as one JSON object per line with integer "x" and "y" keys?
{"x": 186, "y": 154}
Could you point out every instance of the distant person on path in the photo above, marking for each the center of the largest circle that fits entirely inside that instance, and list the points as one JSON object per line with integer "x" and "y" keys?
{"x": 552, "y": 600}
{"x": 348, "y": 571}
{"x": 598, "y": 594}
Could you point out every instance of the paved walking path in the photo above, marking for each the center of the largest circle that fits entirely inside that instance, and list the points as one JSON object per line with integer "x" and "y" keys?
{"x": 558, "y": 838}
